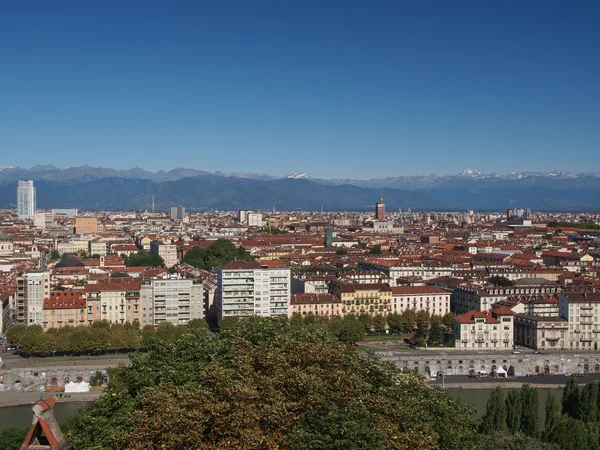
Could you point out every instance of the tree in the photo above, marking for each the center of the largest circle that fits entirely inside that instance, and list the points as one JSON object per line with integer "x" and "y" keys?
{"x": 409, "y": 319}
{"x": 379, "y": 323}
{"x": 260, "y": 383}
{"x": 143, "y": 258}
{"x": 514, "y": 441}
{"x": 494, "y": 418}
{"x": 341, "y": 251}
{"x": 375, "y": 250}
{"x": 448, "y": 321}
{"x": 119, "y": 275}
{"x": 588, "y": 406}
{"x": 513, "y": 411}
{"x": 530, "y": 416}
{"x": 570, "y": 398}
{"x": 117, "y": 338}
{"x": 367, "y": 320}
{"x": 219, "y": 253}
{"x": 571, "y": 434}
{"x": 12, "y": 437}
{"x": 394, "y": 322}
{"x": 54, "y": 255}
{"x": 500, "y": 281}
{"x": 436, "y": 335}
{"x": 14, "y": 333}
{"x": 553, "y": 418}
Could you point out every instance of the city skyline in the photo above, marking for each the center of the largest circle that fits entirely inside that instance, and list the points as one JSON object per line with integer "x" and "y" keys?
{"x": 372, "y": 91}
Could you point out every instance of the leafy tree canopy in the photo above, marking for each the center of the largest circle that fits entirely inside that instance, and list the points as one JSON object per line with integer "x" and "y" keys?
{"x": 265, "y": 384}
{"x": 219, "y": 253}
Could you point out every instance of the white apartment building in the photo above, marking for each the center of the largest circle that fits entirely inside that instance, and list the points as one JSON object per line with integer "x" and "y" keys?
{"x": 73, "y": 246}
{"x": 254, "y": 220}
{"x": 432, "y": 299}
{"x": 25, "y": 199}
{"x": 252, "y": 288}
{"x": 175, "y": 300}
{"x": 97, "y": 247}
{"x": 32, "y": 289}
{"x": 581, "y": 310}
{"x": 485, "y": 330}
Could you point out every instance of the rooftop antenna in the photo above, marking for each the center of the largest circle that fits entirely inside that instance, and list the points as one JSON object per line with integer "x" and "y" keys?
{"x": 153, "y": 204}
{"x": 321, "y": 209}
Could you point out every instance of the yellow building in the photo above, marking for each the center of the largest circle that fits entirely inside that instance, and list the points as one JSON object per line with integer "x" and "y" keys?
{"x": 86, "y": 225}
{"x": 64, "y": 308}
{"x": 357, "y": 298}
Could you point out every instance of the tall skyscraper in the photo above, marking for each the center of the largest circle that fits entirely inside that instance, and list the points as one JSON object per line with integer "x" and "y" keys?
{"x": 380, "y": 211}
{"x": 177, "y": 212}
{"x": 25, "y": 199}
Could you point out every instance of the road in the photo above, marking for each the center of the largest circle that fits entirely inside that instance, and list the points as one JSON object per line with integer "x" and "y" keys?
{"x": 14, "y": 361}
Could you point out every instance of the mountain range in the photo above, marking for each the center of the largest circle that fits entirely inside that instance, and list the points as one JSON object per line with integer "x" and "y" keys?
{"x": 88, "y": 187}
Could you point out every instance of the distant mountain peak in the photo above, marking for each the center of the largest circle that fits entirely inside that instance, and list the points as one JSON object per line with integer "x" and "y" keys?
{"x": 299, "y": 176}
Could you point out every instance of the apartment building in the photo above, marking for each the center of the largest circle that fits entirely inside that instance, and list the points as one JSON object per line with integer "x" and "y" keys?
{"x": 540, "y": 332}
{"x": 485, "y": 329}
{"x": 168, "y": 252}
{"x": 7, "y": 247}
{"x": 581, "y": 310}
{"x": 251, "y": 288}
{"x": 175, "y": 300}
{"x": 64, "y": 308}
{"x": 86, "y": 225}
{"x": 317, "y": 304}
{"x": 357, "y": 298}
{"x": 32, "y": 289}
{"x": 116, "y": 302}
{"x": 432, "y": 299}
{"x": 466, "y": 298}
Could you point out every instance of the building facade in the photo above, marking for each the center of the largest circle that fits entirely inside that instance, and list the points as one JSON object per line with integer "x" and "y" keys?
{"x": 485, "y": 330}
{"x": 581, "y": 310}
{"x": 116, "y": 302}
{"x": 177, "y": 212}
{"x": 317, "y": 304}
{"x": 168, "y": 252}
{"x": 172, "y": 300}
{"x": 32, "y": 289}
{"x": 432, "y": 299}
{"x": 358, "y": 298}
{"x": 86, "y": 225}
{"x": 250, "y": 288}
{"x": 25, "y": 199}
{"x": 64, "y": 308}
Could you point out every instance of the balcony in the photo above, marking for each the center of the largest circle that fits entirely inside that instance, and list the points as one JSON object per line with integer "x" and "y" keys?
{"x": 586, "y": 339}
{"x": 587, "y": 307}
{"x": 465, "y": 341}
{"x": 494, "y": 340}
{"x": 577, "y": 331}
{"x": 479, "y": 341}
{"x": 587, "y": 314}
{"x": 552, "y": 338}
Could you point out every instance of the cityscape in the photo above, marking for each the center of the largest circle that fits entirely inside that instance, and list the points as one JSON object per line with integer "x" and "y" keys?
{"x": 300, "y": 225}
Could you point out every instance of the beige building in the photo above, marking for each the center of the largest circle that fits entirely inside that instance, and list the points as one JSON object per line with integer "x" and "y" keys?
{"x": 7, "y": 246}
{"x": 115, "y": 302}
{"x": 86, "y": 225}
{"x": 540, "y": 332}
{"x": 432, "y": 299}
{"x": 64, "y": 308}
{"x": 492, "y": 330}
{"x": 581, "y": 310}
{"x": 168, "y": 252}
{"x": 357, "y": 298}
{"x": 318, "y": 304}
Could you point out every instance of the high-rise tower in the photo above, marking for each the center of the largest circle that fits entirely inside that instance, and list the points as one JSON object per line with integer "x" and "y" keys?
{"x": 25, "y": 199}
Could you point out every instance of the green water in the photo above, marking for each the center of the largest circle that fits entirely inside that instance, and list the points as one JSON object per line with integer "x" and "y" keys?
{"x": 21, "y": 415}
{"x": 479, "y": 397}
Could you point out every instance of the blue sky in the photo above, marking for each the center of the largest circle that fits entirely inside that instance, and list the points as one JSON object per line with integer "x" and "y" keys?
{"x": 335, "y": 89}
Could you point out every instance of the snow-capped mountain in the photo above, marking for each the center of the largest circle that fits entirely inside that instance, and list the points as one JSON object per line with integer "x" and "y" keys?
{"x": 299, "y": 176}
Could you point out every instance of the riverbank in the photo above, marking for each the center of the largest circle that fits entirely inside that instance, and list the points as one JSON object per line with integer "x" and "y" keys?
{"x": 18, "y": 398}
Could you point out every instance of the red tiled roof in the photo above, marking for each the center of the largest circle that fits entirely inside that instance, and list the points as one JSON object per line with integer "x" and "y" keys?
{"x": 313, "y": 299}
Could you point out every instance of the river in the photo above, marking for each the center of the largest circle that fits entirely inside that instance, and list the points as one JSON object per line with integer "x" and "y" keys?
{"x": 22, "y": 415}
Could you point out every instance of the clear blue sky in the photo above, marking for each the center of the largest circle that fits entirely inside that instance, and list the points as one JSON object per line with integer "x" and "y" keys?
{"x": 350, "y": 88}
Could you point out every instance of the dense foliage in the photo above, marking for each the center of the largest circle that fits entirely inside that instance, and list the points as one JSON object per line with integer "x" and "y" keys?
{"x": 219, "y": 253}
{"x": 580, "y": 225}
{"x": 143, "y": 259}
{"x": 12, "y": 437}
{"x": 100, "y": 337}
{"x": 268, "y": 384}
{"x": 577, "y": 427}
